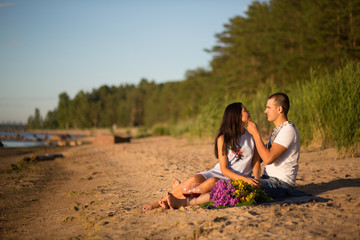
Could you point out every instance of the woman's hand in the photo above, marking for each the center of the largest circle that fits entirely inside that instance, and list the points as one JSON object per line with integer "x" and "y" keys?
{"x": 253, "y": 182}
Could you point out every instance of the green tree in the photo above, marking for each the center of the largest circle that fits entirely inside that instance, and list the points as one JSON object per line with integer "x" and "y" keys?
{"x": 36, "y": 121}
{"x": 50, "y": 121}
{"x": 272, "y": 47}
{"x": 63, "y": 113}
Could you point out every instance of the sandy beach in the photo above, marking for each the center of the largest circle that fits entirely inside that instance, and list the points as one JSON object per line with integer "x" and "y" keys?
{"x": 97, "y": 192}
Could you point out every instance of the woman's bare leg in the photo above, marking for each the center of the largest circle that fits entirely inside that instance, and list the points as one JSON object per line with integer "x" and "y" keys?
{"x": 176, "y": 191}
{"x": 207, "y": 185}
{"x": 175, "y": 182}
{"x": 175, "y": 202}
{"x": 163, "y": 203}
{"x": 151, "y": 206}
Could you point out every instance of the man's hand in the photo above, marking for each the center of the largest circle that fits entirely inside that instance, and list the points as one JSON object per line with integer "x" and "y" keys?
{"x": 252, "y": 128}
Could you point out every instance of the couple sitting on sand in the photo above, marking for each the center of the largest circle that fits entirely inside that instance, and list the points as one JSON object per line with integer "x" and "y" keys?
{"x": 239, "y": 150}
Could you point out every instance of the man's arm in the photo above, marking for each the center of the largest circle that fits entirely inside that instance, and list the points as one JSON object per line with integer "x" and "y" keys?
{"x": 267, "y": 155}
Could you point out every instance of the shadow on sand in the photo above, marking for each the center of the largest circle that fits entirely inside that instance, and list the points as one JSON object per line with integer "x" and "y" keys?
{"x": 317, "y": 188}
{"x": 307, "y": 193}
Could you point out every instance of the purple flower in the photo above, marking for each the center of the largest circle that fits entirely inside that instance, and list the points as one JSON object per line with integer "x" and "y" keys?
{"x": 222, "y": 194}
{"x": 230, "y": 193}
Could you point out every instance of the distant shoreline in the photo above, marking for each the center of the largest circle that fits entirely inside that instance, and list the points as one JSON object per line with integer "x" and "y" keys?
{"x": 87, "y": 132}
{"x": 38, "y": 138}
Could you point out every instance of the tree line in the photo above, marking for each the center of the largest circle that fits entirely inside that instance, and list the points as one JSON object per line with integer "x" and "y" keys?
{"x": 275, "y": 44}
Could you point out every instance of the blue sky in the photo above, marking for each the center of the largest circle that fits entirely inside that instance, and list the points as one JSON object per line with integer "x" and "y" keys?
{"x": 48, "y": 47}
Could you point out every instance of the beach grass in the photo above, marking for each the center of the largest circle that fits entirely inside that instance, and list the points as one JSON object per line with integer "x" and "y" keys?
{"x": 328, "y": 107}
{"x": 325, "y": 108}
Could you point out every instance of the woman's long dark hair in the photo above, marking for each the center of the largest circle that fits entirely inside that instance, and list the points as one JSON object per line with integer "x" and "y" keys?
{"x": 230, "y": 128}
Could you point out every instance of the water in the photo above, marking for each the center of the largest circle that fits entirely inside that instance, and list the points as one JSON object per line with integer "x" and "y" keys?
{"x": 29, "y": 139}
{"x": 18, "y": 144}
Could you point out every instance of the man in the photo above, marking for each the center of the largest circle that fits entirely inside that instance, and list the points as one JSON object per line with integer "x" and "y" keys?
{"x": 281, "y": 154}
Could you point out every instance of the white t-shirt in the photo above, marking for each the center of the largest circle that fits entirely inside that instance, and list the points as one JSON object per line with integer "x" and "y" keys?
{"x": 286, "y": 166}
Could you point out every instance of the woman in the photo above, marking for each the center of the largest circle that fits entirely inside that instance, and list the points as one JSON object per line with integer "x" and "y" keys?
{"x": 235, "y": 149}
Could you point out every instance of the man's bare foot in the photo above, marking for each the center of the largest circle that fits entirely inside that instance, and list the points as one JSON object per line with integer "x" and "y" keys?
{"x": 175, "y": 203}
{"x": 175, "y": 182}
{"x": 151, "y": 206}
{"x": 164, "y": 204}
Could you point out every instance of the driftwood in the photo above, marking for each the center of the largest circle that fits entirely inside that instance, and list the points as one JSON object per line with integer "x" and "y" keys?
{"x": 48, "y": 157}
{"x": 106, "y": 139}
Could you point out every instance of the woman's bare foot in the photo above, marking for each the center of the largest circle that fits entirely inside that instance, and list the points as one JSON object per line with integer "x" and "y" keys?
{"x": 175, "y": 182}
{"x": 164, "y": 204}
{"x": 175, "y": 203}
{"x": 151, "y": 206}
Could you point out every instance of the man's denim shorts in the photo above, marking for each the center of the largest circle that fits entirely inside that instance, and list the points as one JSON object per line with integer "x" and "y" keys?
{"x": 275, "y": 188}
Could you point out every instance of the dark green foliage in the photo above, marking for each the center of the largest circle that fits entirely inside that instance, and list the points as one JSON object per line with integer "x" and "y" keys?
{"x": 271, "y": 49}
{"x": 36, "y": 121}
{"x": 50, "y": 121}
{"x": 160, "y": 130}
{"x": 328, "y": 106}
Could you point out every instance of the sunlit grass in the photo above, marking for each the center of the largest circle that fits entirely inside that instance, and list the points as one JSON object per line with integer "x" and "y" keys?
{"x": 327, "y": 107}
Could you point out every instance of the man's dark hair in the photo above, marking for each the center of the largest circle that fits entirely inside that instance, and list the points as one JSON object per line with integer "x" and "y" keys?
{"x": 281, "y": 99}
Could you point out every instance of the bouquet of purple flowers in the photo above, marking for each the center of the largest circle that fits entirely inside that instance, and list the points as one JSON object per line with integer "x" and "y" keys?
{"x": 236, "y": 193}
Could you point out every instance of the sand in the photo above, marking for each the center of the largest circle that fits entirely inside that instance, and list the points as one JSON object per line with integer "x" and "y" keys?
{"x": 97, "y": 192}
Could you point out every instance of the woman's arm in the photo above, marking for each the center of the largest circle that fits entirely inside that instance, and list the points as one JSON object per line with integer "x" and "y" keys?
{"x": 256, "y": 165}
{"x": 225, "y": 169}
